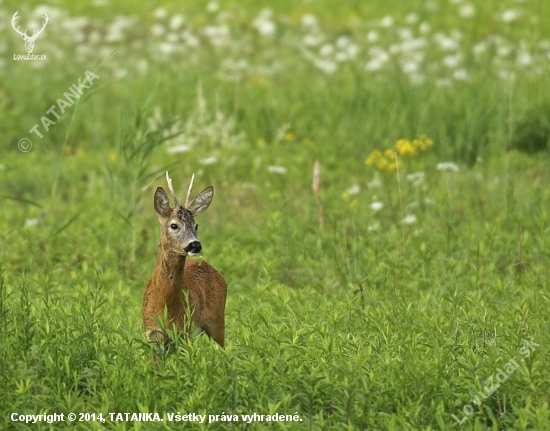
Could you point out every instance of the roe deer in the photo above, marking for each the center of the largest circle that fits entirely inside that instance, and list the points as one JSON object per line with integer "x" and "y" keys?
{"x": 186, "y": 288}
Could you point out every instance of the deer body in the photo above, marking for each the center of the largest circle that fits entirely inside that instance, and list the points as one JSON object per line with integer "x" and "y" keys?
{"x": 186, "y": 288}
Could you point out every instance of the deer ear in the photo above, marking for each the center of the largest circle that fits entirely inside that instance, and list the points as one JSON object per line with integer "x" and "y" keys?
{"x": 202, "y": 201}
{"x": 162, "y": 205}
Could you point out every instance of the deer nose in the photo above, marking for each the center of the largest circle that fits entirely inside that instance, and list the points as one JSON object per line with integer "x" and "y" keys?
{"x": 194, "y": 247}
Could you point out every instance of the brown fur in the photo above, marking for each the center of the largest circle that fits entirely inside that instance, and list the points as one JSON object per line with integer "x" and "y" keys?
{"x": 206, "y": 289}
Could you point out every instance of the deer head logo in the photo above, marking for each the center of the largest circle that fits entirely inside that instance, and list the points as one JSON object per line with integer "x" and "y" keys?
{"x": 29, "y": 40}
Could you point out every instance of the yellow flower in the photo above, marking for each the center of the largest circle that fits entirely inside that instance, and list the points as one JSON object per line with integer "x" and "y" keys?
{"x": 405, "y": 148}
{"x": 391, "y": 168}
{"x": 390, "y": 154}
{"x": 373, "y": 157}
{"x": 345, "y": 196}
{"x": 423, "y": 142}
{"x": 382, "y": 163}
{"x": 289, "y": 136}
{"x": 353, "y": 203}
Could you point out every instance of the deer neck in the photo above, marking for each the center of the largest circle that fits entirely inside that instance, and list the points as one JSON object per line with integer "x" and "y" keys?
{"x": 169, "y": 270}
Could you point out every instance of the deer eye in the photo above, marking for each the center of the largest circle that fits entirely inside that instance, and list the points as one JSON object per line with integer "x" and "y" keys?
{"x": 197, "y": 227}
{"x": 174, "y": 226}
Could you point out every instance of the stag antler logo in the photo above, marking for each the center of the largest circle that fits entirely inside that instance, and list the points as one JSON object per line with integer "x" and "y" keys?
{"x": 29, "y": 40}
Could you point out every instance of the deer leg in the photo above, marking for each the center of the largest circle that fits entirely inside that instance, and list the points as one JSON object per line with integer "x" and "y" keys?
{"x": 216, "y": 331}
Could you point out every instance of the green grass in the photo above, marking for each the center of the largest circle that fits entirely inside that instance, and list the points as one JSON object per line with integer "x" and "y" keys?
{"x": 366, "y": 323}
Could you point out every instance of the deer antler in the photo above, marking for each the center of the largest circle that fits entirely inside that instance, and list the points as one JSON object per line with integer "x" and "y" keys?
{"x": 15, "y": 16}
{"x": 169, "y": 180}
{"x": 189, "y": 191}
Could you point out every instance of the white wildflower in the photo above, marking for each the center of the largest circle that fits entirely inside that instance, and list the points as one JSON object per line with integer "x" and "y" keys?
{"x": 157, "y": 30}
{"x": 208, "y": 160}
{"x": 510, "y": 15}
{"x": 405, "y": 33}
{"x": 409, "y": 219}
{"x": 282, "y": 131}
{"x": 264, "y": 25}
{"x": 183, "y": 148}
{"x": 190, "y": 39}
{"x": 378, "y": 58}
{"x": 142, "y": 66}
{"x": 524, "y": 57}
{"x": 467, "y": 10}
{"x": 448, "y": 167}
{"x": 416, "y": 178}
{"x": 160, "y": 13}
{"x": 309, "y": 20}
{"x": 452, "y": 61}
{"x": 326, "y": 50}
{"x": 461, "y": 75}
{"x": 217, "y": 34}
{"x": 374, "y": 65}
{"x": 432, "y": 5}
{"x": 172, "y": 37}
{"x": 281, "y": 170}
{"x": 353, "y": 190}
{"x": 313, "y": 39}
{"x": 376, "y": 206}
{"x": 480, "y": 48}
{"x": 343, "y": 41}
{"x": 212, "y": 6}
{"x": 352, "y": 50}
{"x": 446, "y": 43}
{"x": 372, "y": 36}
{"x": 166, "y": 47}
{"x": 176, "y": 22}
{"x": 409, "y": 67}
{"x": 387, "y": 21}
{"x": 341, "y": 57}
{"x": 326, "y": 66}
{"x": 424, "y": 28}
{"x": 411, "y": 18}
{"x": 375, "y": 182}
{"x": 31, "y": 222}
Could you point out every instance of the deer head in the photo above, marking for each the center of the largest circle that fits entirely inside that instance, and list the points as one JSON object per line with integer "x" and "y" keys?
{"x": 177, "y": 225}
{"x": 29, "y": 40}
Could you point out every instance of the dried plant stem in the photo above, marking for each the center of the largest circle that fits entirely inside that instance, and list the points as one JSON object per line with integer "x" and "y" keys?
{"x": 400, "y": 201}
{"x": 316, "y": 188}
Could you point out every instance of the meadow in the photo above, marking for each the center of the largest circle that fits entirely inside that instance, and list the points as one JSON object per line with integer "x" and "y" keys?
{"x": 405, "y": 290}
